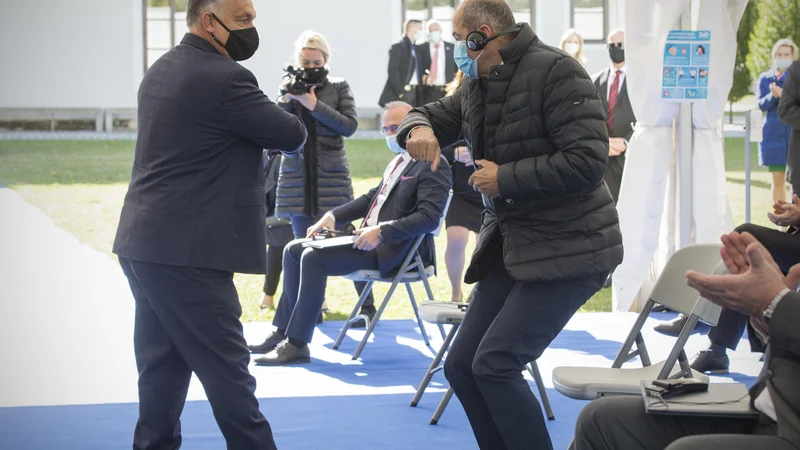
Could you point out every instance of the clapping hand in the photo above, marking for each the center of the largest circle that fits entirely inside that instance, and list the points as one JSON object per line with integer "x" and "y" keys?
{"x": 786, "y": 214}
{"x": 776, "y": 90}
{"x": 616, "y": 146}
{"x": 462, "y": 156}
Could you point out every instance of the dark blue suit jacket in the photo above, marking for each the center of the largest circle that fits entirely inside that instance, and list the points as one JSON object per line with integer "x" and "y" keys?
{"x": 196, "y": 196}
{"x": 415, "y": 206}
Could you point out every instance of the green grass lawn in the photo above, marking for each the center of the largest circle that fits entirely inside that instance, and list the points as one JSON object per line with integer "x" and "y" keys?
{"x": 80, "y": 185}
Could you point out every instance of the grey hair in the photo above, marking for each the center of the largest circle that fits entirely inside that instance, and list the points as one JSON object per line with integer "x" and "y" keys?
{"x": 784, "y": 43}
{"x": 196, "y": 8}
{"x": 432, "y": 22}
{"x": 495, "y": 13}
{"x": 397, "y": 104}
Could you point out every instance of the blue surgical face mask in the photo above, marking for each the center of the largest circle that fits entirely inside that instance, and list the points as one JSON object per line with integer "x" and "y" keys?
{"x": 391, "y": 142}
{"x": 783, "y": 63}
{"x": 467, "y": 65}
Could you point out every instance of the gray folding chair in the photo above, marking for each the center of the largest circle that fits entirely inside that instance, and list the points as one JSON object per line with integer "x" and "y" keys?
{"x": 442, "y": 313}
{"x": 412, "y": 270}
{"x": 670, "y": 290}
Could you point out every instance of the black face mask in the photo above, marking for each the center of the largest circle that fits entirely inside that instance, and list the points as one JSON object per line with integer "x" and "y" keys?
{"x": 242, "y": 44}
{"x": 316, "y": 76}
{"x": 617, "y": 54}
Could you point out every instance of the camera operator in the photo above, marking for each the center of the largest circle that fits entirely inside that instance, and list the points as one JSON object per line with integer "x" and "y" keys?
{"x": 320, "y": 180}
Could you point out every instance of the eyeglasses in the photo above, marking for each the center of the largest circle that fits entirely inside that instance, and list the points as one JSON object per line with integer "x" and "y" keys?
{"x": 615, "y": 44}
{"x": 390, "y": 129}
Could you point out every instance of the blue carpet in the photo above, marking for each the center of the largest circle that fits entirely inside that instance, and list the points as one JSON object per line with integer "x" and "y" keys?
{"x": 331, "y": 404}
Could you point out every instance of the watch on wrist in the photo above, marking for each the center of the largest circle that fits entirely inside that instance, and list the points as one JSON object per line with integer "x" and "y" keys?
{"x": 774, "y": 303}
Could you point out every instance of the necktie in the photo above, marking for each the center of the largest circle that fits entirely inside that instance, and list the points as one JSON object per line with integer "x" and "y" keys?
{"x": 383, "y": 189}
{"x": 434, "y": 64}
{"x": 613, "y": 96}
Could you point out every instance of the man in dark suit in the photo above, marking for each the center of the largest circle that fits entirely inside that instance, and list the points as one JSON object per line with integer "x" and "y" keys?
{"x": 194, "y": 214}
{"x": 436, "y": 67}
{"x": 409, "y": 202}
{"x": 789, "y": 113}
{"x": 403, "y": 82}
{"x": 612, "y": 86}
{"x": 760, "y": 292}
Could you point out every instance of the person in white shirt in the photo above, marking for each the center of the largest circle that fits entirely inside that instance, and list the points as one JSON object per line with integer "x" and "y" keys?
{"x": 756, "y": 287}
{"x": 437, "y": 65}
{"x": 409, "y": 202}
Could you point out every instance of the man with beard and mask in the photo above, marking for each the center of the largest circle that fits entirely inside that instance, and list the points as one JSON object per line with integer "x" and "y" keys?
{"x": 612, "y": 86}
{"x": 436, "y": 64}
{"x": 408, "y": 203}
{"x": 535, "y": 126}
{"x": 194, "y": 214}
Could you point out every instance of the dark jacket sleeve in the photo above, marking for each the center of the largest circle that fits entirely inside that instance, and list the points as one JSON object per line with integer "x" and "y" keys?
{"x": 766, "y": 101}
{"x": 343, "y": 121}
{"x": 575, "y": 122}
{"x": 789, "y": 106}
{"x": 432, "y": 193}
{"x": 356, "y": 209}
{"x": 443, "y": 116}
{"x": 394, "y": 75}
{"x": 784, "y": 365}
{"x": 251, "y": 115}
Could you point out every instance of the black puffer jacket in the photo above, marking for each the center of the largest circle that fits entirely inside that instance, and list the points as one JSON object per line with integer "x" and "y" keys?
{"x": 539, "y": 117}
{"x": 319, "y": 180}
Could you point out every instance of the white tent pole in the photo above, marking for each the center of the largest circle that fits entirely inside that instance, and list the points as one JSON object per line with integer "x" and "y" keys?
{"x": 684, "y": 163}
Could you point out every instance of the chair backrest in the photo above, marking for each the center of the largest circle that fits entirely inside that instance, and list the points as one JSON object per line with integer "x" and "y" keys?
{"x": 671, "y": 289}
{"x": 444, "y": 214}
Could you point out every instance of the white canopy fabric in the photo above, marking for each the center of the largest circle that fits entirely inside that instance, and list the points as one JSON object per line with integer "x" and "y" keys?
{"x": 647, "y": 202}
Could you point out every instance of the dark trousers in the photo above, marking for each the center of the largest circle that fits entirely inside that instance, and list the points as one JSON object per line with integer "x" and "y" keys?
{"x": 613, "y": 175}
{"x": 305, "y": 275}
{"x": 614, "y": 423}
{"x": 187, "y": 320}
{"x": 509, "y": 324}
{"x": 785, "y": 249}
{"x": 300, "y": 226}
{"x": 274, "y": 269}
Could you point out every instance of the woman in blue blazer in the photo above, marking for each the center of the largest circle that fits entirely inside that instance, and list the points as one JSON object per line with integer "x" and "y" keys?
{"x": 774, "y": 147}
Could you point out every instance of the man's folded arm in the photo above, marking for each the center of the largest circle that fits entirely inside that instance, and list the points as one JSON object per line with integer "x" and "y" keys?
{"x": 252, "y": 116}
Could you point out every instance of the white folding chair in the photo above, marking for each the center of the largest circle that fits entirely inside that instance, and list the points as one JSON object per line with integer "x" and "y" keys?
{"x": 411, "y": 271}
{"x": 670, "y": 290}
{"x": 442, "y": 313}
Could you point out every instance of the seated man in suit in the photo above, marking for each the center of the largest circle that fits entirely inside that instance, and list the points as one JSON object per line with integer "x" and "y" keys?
{"x": 768, "y": 298}
{"x": 408, "y": 202}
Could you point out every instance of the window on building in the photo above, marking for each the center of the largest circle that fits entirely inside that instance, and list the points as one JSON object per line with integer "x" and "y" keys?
{"x": 590, "y": 17}
{"x": 444, "y": 10}
{"x": 164, "y": 27}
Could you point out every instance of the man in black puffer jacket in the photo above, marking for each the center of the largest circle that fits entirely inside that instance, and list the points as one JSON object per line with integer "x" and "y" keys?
{"x": 536, "y": 128}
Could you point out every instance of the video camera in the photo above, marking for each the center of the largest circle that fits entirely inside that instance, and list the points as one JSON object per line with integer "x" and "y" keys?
{"x": 299, "y": 81}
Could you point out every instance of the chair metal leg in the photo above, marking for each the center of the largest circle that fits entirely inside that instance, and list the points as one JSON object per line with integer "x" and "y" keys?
{"x": 624, "y": 354}
{"x": 374, "y": 321}
{"x": 677, "y": 350}
{"x": 434, "y": 365}
{"x": 642, "y": 349}
{"x": 416, "y": 314}
{"x": 441, "y": 330}
{"x": 356, "y": 310}
{"x": 442, "y": 405}
{"x": 533, "y": 369}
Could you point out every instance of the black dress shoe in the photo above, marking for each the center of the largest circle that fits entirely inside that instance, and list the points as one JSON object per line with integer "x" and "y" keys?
{"x": 706, "y": 362}
{"x": 367, "y": 312}
{"x": 269, "y": 344}
{"x": 673, "y": 327}
{"x": 284, "y": 354}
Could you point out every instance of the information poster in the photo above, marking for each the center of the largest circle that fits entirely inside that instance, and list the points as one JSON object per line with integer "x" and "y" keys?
{"x": 684, "y": 77}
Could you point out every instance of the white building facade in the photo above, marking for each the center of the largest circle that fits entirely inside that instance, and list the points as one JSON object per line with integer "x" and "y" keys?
{"x": 92, "y": 54}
